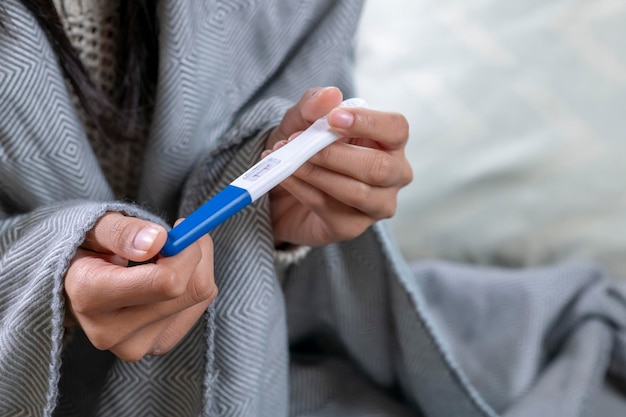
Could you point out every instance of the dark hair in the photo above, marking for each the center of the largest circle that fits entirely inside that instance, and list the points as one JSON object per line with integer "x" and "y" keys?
{"x": 136, "y": 72}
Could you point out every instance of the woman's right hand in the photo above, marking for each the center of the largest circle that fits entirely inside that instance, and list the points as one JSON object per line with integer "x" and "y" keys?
{"x": 144, "y": 309}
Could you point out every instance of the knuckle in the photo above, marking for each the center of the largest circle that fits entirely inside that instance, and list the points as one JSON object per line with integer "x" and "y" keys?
{"x": 79, "y": 306}
{"x": 202, "y": 289}
{"x": 350, "y": 230}
{"x": 214, "y": 294}
{"x": 131, "y": 353}
{"x": 360, "y": 195}
{"x": 207, "y": 244}
{"x": 355, "y": 231}
{"x": 163, "y": 345}
{"x": 120, "y": 234}
{"x": 368, "y": 119}
{"x": 407, "y": 174}
{"x": 166, "y": 282}
{"x": 389, "y": 208}
{"x": 380, "y": 169}
{"x": 101, "y": 339}
{"x": 402, "y": 127}
{"x": 396, "y": 126}
{"x": 134, "y": 348}
{"x": 76, "y": 290}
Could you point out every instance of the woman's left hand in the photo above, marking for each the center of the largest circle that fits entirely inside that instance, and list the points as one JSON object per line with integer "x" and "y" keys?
{"x": 349, "y": 185}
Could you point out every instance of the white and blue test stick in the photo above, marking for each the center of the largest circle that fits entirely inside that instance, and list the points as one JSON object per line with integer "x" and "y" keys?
{"x": 252, "y": 184}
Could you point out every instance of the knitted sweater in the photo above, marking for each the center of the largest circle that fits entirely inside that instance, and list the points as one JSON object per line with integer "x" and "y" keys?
{"x": 92, "y": 27}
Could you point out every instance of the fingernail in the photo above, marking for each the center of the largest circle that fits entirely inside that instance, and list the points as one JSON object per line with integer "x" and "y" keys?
{"x": 145, "y": 238}
{"x": 341, "y": 118}
{"x": 319, "y": 91}
{"x": 265, "y": 153}
{"x": 280, "y": 144}
{"x": 316, "y": 92}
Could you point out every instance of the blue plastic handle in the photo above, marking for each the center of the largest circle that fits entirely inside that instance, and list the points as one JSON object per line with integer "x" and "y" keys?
{"x": 207, "y": 217}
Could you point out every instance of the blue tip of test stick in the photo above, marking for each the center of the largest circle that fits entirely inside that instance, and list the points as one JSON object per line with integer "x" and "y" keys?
{"x": 207, "y": 217}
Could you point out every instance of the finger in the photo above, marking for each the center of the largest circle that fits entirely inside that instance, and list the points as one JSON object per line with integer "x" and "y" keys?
{"x": 178, "y": 328}
{"x": 95, "y": 286}
{"x": 318, "y": 104}
{"x": 376, "y": 202}
{"x": 315, "y": 103}
{"x": 159, "y": 337}
{"x": 367, "y": 165}
{"x": 135, "y": 345}
{"x": 336, "y": 220}
{"x": 128, "y": 237}
{"x": 109, "y": 329}
{"x": 391, "y": 130}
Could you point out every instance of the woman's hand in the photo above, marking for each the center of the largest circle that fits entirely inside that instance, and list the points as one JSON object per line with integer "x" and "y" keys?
{"x": 144, "y": 309}
{"x": 347, "y": 186}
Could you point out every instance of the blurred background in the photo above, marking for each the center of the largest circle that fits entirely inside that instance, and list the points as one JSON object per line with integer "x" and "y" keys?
{"x": 518, "y": 126}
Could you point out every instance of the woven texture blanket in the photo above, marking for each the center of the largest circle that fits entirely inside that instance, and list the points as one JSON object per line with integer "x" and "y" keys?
{"x": 354, "y": 331}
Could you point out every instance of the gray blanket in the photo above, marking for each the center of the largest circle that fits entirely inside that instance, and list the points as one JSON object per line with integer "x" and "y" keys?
{"x": 353, "y": 331}
{"x": 371, "y": 335}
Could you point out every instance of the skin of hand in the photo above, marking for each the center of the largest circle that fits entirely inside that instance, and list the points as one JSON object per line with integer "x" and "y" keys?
{"x": 347, "y": 186}
{"x": 141, "y": 310}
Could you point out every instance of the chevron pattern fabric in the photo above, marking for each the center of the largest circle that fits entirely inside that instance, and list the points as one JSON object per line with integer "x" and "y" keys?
{"x": 250, "y": 345}
{"x": 219, "y": 84}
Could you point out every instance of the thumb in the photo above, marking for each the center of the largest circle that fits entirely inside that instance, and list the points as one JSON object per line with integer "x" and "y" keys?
{"x": 315, "y": 103}
{"x": 128, "y": 237}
